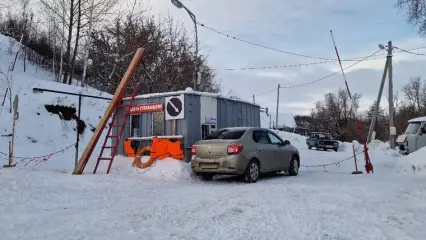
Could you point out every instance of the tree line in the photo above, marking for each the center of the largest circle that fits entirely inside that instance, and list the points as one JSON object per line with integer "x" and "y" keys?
{"x": 91, "y": 43}
{"x": 336, "y": 115}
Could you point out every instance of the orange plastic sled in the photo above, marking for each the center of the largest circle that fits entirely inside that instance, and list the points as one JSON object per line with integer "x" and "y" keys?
{"x": 138, "y": 159}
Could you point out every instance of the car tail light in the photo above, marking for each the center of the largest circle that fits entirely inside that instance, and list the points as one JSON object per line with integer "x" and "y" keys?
{"x": 193, "y": 149}
{"x": 234, "y": 149}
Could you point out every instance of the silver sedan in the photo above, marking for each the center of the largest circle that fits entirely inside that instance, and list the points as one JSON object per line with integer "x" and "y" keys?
{"x": 246, "y": 151}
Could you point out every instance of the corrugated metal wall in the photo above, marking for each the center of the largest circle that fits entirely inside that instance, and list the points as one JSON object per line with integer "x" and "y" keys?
{"x": 237, "y": 114}
{"x": 229, "y": 114}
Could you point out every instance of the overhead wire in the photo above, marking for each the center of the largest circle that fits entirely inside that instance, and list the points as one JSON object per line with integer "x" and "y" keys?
{"x": 272, "y": 48}
{"x": 409, "y": 51}
{"x": 332, "y": 74}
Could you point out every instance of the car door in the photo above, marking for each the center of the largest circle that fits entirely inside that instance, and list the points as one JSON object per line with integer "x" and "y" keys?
{"x": 264, "y": 151}
{"x": 421, "y": 140}
{"x": 281, "y": 152}
{"x": 312, "y": 140}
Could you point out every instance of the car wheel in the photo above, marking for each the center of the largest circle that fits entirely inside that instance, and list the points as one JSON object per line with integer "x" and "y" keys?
{"x": 316, "y": 147}
{"x": 294, "y": 167}
{"x": 206, "y": 176}
{"x": 252, "y": 172}
{"x": 309, "y": 147}
{"x": 335, "y": 149}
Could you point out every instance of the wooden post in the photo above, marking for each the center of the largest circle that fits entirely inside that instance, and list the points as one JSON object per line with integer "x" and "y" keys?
{"x": 174, "y": 127}
{"x": 116, "y": 99}
{"x": 12, "y": 142}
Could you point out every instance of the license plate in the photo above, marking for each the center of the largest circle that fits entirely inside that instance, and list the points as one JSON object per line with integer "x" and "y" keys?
{"x": 209, "y": 165}
{"x": 329, "y": 146}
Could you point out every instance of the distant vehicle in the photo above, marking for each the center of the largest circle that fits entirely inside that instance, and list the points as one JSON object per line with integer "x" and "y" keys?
{"x": 414, "y": 137}
{"x": 245, "y": 151}
{"x": 321, "y": 140}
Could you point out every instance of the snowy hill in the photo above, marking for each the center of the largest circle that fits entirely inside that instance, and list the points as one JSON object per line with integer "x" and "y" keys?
{"x": 286, "y": 119}
{"x": 39, "y": 133}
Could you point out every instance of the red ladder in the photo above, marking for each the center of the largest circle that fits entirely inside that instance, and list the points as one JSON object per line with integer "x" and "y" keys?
{"x": 115, "y": 124}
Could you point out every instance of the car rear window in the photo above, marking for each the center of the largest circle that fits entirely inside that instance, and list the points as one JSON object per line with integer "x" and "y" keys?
{"x": 226, "y": 134}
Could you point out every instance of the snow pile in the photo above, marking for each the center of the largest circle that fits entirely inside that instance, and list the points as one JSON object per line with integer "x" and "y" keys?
{"x": 296, "y": 140}
{"x": 168, "y": 169}
{"x": 413, "y": 163}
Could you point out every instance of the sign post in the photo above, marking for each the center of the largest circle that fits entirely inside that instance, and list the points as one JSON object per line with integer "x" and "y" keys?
{"x": 174, "y": 110}
{"x": 12, "y": 142}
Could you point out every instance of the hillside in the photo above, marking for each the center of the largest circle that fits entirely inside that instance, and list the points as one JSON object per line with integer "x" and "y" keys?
{"x": 38, "y": 131}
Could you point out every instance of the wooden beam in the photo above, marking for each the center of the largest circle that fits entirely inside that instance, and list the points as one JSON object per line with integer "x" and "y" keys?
{"x": 174, "y": 127}
{"x": 115, "y": 101}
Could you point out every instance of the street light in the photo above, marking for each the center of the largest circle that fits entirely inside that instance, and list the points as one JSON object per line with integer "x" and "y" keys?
{"x": 180, "y": 5}
{"x": 41, "y": 90}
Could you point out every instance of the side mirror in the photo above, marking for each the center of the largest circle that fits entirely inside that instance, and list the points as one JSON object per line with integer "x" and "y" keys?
{"x": 287, "y": 142}
{"x": 423, "y": 130}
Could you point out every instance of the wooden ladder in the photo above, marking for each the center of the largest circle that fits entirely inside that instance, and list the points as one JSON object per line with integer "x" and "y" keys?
{"x": 120, "y": 129}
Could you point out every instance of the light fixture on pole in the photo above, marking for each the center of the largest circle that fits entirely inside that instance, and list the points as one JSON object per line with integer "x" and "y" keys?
{"x": 180, "y": 5}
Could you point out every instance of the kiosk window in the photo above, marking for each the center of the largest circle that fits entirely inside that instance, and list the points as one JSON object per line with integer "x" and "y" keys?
{"x": 134, "y": 125}
{"x": 157, "y": 123}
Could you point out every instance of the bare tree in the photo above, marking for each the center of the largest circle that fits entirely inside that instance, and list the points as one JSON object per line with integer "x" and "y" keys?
{"x": 415, "y": 11}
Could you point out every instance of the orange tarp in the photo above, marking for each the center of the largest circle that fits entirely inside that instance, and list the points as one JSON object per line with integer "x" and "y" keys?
{"x": 160, "y": 149}
{"x": 128, "y": 148}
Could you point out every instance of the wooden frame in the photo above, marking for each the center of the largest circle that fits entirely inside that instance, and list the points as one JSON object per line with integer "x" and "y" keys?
{"x": 112, "y": 106}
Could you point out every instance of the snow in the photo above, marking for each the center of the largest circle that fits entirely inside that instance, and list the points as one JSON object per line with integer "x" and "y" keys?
{"x": 42, "y": 200}
{"x": 38, "y": 132}
{"x": 419, "y": 119}
{"x": 413, "y": 163}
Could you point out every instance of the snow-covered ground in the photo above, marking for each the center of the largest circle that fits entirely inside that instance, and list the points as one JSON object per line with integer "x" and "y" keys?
{"x": 41, "y": 200}
{"x": 38, "y": 132}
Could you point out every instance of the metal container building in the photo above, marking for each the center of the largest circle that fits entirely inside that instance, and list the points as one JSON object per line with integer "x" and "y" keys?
{"x": 188, "y": 115}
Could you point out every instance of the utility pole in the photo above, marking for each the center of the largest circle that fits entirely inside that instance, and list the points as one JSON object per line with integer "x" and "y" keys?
{"x": 254, "y": 102}
{"x": 376, "y": 109}
{"x": 278, "y": 104}
{"x": 392, "y": 132}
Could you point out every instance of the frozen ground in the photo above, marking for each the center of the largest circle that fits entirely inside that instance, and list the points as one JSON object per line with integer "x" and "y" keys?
{"x": 167, "y": 203}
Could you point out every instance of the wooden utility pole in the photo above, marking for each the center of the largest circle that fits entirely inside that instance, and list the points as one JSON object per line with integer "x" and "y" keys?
{"x": 379, "y": 97}
{"x": 392, "y": 131}
{"x": 116, "y": 99}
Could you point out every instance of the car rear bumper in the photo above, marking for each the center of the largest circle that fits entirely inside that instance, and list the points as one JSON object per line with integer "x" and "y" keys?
{"x": 328, "y": 146}
{"x": 227, "y": 165}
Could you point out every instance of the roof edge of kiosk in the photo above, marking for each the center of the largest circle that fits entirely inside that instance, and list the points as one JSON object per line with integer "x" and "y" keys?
{"x": 192, "y": 92}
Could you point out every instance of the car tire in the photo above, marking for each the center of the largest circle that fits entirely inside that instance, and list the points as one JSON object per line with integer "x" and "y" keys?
{"x": 309, "y": 147}
{"x": 336, "y": 149}
{"x": 316, "y": 147}
{"x": 206, "y": 176}
{"x": 252, "y": 172}
{"x": 294, "y": 167}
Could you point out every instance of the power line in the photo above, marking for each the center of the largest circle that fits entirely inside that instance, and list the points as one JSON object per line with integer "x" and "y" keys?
{"x": 283, "y": 66}
{"x": 320, "y": 79}
{"x": 332, "y": 74}
{"x": 271, "y": 48}
{"x": 409, "y": 51}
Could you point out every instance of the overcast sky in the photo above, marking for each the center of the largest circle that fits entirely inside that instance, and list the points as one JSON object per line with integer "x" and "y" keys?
{"x": 301, "y": 27}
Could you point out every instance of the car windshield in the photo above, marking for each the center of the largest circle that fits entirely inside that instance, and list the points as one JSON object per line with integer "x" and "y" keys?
{"x": 413, "y": 128}
{"x": 226, "y": 134}
{"x": 324, "y": 136}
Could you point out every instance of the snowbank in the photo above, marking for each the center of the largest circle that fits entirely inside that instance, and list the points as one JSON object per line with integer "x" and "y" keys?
{"x": 413, "y": 163}
{"x": 168, "y": 169}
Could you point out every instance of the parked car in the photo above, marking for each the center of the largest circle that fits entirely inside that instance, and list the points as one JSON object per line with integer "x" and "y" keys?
{"x": 414, "y": 137}
{"x": 245, "y": 151}
{"x": 321, "y": 140}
